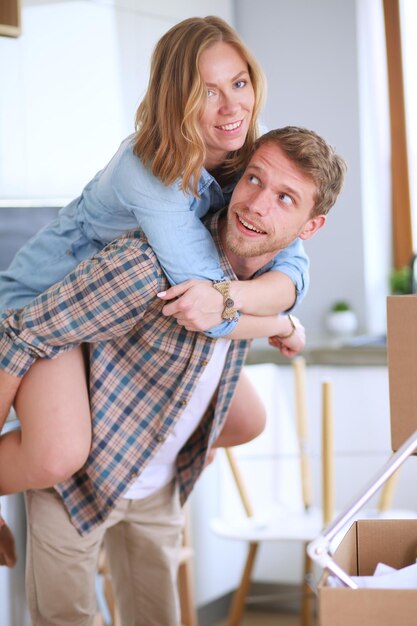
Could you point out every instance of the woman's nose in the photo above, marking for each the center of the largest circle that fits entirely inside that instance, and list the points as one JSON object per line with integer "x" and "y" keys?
{"x": 228, "y": 104}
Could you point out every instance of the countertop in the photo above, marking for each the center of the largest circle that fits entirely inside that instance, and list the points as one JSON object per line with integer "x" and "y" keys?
{"x": 325, "y": 350}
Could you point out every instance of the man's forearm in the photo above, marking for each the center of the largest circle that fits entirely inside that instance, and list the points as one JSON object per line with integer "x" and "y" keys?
{"x": 8, "y": 388}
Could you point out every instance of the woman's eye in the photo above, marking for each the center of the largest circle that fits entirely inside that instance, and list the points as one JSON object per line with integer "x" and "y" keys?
{"x": 210, "y": 93}
{"x": 285, "y": 198}
{"x": 240, "y": 83}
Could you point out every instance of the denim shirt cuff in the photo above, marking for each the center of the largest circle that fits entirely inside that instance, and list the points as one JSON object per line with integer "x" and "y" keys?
{"x": 223, "y": 329}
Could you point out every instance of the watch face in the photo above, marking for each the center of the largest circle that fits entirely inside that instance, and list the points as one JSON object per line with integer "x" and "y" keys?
{"x": 229, "y": 303}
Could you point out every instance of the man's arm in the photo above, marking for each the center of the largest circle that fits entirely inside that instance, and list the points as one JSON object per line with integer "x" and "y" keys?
{"x": 101, "y": 299}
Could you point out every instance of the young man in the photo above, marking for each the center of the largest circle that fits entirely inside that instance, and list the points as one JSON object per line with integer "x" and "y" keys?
{"x": 159, "y": 393}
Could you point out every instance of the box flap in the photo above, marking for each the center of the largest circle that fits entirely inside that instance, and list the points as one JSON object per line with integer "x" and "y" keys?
{"x": 346, "y": 553}
{"x": 402, "y": 366}
{"x": 393, "y": 542}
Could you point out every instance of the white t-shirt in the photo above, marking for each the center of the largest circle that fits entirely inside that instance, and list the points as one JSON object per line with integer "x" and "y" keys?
{"x": 161, "y": 469}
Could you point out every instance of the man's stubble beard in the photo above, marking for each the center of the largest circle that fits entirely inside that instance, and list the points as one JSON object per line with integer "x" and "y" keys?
{"x": 247, "y": 249}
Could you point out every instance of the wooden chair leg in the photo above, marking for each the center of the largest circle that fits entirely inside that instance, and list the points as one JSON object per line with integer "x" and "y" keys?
{"x": 239, "y": 597}
{"x": 186, "y": 595}
{"x": 307, "y": 601}
{"x": 108, "y": 591}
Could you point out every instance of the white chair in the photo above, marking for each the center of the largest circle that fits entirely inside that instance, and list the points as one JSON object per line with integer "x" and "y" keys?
{"x": 285, "y": 524}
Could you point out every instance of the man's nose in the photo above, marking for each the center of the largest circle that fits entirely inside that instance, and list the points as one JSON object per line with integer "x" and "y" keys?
{"x": 260, "y": 202}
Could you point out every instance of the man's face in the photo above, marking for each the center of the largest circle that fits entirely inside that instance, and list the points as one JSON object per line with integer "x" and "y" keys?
{"x": 270, "y": 206}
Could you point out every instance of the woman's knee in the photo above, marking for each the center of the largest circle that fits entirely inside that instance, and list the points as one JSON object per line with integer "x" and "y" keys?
{"x": 55, "y": 461}
{"x": 53, "y": 407}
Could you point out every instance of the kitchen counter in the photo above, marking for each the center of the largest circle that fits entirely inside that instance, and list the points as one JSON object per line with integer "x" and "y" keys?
{"x": 324, "y": 350}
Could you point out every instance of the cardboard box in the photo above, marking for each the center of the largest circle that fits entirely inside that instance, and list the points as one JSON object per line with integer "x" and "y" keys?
{"x": 402, "y": 367}
{"x": 368, "y": 542}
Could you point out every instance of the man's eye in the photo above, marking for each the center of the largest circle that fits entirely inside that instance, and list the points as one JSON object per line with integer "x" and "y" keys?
{"x": 285, "y": 198}
{"x": 254, "y": 180}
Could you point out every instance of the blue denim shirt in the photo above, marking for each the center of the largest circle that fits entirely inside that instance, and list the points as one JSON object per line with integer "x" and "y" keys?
{"x": 120, "y": 197}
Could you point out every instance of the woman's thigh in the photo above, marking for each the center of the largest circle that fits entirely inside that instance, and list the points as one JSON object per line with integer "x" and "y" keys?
{"x": 53, "y": 408}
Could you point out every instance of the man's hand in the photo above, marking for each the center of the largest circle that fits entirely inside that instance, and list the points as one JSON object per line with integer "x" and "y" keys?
{"x": 292, "y": 345}
{"x": 7, "y": 545}
{"x": 198, "y": 306}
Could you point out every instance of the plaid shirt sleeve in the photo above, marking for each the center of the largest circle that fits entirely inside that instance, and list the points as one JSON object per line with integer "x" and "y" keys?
{"x": 103, "y": 298}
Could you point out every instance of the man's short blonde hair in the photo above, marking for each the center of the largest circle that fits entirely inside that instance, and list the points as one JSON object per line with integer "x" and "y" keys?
{"x": 313, "y": 156}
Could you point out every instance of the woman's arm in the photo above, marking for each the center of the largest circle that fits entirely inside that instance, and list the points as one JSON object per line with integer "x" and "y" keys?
{"x": 187, "y": 251}
{"x": 268, "y": 294}
{"x": 201, "y": 305}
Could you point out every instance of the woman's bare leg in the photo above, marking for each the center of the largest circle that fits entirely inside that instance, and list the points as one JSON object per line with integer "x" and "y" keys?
{"x": 246, "y": 418}
{"x": 55, "y": 435}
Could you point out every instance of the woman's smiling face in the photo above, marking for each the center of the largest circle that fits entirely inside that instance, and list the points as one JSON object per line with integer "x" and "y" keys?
{"x": 230, "y": 100}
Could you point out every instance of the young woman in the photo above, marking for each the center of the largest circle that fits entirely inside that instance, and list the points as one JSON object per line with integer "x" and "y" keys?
{"x": 195, "y": 129}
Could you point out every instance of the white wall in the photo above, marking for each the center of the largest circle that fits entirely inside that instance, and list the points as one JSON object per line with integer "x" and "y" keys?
{"x": 69, "y": 89}
{"x": 71, "y": 84}
{"x": 315, "y": 55}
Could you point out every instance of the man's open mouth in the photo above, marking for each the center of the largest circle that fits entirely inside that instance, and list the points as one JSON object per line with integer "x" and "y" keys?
{"x": 250, "y": 227}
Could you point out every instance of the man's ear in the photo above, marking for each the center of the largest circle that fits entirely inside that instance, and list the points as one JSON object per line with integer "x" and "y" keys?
{"x": 312, "y": 226}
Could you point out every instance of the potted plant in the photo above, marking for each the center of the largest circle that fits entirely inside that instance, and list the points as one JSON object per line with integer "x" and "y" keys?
{"x": 341, "y": 320}
{"x": 400, "y": 281}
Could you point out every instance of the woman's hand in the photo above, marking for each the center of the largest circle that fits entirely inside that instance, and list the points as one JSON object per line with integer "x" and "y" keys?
{"x": 292, "y": 345}
{"x": 198, "y": 306}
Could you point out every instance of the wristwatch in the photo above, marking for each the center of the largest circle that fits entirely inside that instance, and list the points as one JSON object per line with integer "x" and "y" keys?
{"x": 229, "y": 311}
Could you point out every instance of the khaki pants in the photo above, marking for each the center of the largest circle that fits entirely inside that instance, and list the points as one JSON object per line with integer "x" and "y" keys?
{"x": 142, "y": 539}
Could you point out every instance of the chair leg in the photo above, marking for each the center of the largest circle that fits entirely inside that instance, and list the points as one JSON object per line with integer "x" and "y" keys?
{"x": 239, "y": 597}
{"x": 307, "y": 601}
{"x": 108, "y": 591}
{"x": 186, "y": 596}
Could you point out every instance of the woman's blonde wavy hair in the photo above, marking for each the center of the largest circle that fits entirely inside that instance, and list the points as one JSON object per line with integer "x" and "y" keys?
{"x": 168, "y": 137}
